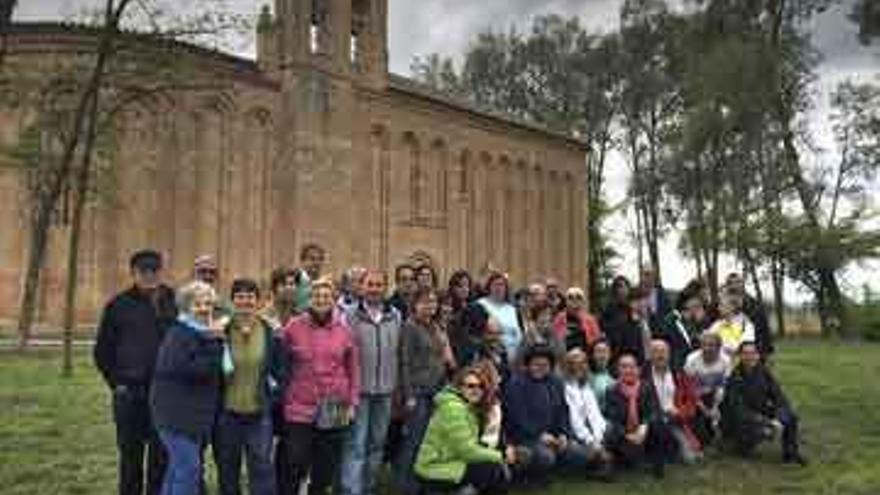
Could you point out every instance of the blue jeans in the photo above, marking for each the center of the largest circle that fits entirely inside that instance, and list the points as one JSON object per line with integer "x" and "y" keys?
{"x": 251, "y": 435}
{"x": 365, "y": 445}
{"x": 183, "y": 475}
{"x": 543, "y": 460}
{"x": 413, "y": 432}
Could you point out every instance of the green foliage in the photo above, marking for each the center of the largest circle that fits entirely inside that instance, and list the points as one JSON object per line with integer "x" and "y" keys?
{"x": 865, "y": 318}
{"x": 856, "y": 120}
{"x": 437, "y": 72}
{"x": 809, "y": 251}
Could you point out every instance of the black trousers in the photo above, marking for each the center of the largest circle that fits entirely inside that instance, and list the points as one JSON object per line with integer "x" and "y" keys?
{"x": 137, "y": 442}
{"x": 746, "y": 436}
{"x": 704, "y": 426}
{"x": 283, "y": 478}
{"x": 658, "y": 449}
{"x": 487, "y": 478}
{"x": 312, "y": 453}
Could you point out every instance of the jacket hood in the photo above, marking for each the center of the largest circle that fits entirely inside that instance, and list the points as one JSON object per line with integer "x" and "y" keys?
{"x": 449, "y": 395}
{"x": 188, "y": 322}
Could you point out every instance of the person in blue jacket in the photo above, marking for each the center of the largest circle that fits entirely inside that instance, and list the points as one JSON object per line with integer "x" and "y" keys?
{"x": 185, "y": 394}
{"x": 536, "y": 420}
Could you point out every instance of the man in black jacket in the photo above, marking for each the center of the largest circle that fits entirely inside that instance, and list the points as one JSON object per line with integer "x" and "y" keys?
{"x": 131, "y": 330}
{"x": 755, "y": 408}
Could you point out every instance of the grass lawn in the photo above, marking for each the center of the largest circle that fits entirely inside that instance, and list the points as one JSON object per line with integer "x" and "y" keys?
{"x": 56, "y": 436}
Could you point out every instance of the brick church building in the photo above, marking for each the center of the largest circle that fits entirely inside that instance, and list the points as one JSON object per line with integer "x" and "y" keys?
{"x": 315, "y": 141}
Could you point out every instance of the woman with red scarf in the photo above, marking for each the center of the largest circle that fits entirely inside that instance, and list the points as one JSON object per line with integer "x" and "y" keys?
{"x": 636, "y": 429}
{"x": 574, "y": 326}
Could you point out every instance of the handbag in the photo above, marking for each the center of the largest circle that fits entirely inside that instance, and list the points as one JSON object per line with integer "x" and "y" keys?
{"x": 331, "y": 414}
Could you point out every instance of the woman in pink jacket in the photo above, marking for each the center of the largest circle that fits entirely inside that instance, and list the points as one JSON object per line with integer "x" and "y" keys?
{"x": 323, "y": 391}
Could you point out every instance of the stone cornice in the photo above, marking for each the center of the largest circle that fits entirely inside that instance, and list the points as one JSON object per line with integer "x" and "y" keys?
{"x": 42, "y": 37}
{"x": 415, "y": 89}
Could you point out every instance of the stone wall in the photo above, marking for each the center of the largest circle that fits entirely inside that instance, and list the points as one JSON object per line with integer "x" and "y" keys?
{"x": 370, "y": 167}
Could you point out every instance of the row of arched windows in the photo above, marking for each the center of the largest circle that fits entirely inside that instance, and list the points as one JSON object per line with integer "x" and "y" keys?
{"x": 512, "y": 212}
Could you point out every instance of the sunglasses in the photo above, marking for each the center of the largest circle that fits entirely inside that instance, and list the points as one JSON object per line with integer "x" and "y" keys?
{"x": 473, "y": 386}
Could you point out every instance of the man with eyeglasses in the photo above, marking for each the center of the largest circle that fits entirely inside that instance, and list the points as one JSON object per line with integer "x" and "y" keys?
{"x": 132, "y": 327}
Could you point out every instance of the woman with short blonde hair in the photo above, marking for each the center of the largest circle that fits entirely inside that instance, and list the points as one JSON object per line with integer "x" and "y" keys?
{"x": 185, "y": 393}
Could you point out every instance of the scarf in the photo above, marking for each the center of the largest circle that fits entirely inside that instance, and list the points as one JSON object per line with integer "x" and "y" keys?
{"x": 631, "y": 394}
{"x": 192, "y": 324}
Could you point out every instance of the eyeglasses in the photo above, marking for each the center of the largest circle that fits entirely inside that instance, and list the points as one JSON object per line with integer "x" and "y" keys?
{"x": 574, "y": 298}
{"x": 472, "y": 386}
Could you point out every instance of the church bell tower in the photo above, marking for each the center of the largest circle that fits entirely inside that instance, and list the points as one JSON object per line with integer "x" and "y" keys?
{"x": 342, "y": 38}
{"x": 327, "y": 52}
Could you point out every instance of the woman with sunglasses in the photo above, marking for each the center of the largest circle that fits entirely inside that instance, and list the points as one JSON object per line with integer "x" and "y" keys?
{"x": 451, "y": 456}
{"x": 573, "y": 326}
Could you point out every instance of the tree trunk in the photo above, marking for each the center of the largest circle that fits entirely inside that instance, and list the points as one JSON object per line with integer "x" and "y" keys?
{"x": 831, "y": 310}
{"x": 654, "y": 241}
{"x": 40, "y": 225}
{"x": 60, "y": 178}
{"x": 777, "y": 276}
{"x": 712, "y": 271}
{"x": 70, "y": 286}
{"x": 595, "y": 180}
{"x": 752, "y": 270}
{"x": 81, "y": 196}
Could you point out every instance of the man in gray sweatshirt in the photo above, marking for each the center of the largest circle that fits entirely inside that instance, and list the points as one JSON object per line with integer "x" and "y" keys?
{"x": 376, "y": 329}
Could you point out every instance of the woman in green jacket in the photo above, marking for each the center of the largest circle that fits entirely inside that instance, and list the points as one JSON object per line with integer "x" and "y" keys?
{"x": 451, "y": 455}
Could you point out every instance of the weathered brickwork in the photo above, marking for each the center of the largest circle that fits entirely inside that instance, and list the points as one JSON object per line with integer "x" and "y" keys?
{"x": 312, "y": 142}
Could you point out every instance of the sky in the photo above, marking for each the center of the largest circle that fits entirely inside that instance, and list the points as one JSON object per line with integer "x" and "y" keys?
{"x": 422, "y": 27}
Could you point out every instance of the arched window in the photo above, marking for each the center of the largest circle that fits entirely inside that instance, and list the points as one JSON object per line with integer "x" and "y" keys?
{"x": 463, "y": 182}
{"x": 417, "y": 182}
{"x": 438, "y": 173}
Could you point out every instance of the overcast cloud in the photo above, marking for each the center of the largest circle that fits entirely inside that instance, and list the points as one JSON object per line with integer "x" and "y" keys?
{"x": 421, "y": 27}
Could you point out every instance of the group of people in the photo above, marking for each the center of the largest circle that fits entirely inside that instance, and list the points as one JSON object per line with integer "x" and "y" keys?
{"x": 472, "y": 388}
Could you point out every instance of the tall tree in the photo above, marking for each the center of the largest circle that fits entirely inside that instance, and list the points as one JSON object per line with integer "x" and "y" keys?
{"x": 650, "y": 107}
{"x": 72, "y": 110}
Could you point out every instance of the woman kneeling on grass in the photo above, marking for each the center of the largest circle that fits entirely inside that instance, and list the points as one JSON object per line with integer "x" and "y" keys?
{"x": 451, "y": 456}
{"x": 186, "y": 387}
